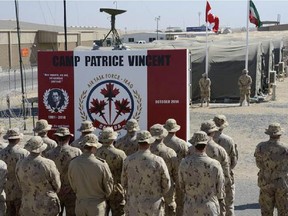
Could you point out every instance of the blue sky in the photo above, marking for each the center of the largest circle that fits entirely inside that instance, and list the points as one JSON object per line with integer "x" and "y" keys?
{"x": 141, "y": 15}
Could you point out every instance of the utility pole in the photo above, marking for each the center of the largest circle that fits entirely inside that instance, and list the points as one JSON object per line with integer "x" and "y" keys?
{"x": 21, "y": 63}
{"x": 65, "y": 25}
{"x": 157, "y": 21}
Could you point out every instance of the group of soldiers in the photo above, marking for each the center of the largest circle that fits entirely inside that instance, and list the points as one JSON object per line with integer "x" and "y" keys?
{"x": 142, "y": 173}
{"x": 244, "y": 83}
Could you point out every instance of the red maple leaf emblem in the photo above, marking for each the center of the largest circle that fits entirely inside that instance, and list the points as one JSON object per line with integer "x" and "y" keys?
{"x": 98, "y": 107}
{"x": 110, "y": 91}
{"x": 121, "y": 107}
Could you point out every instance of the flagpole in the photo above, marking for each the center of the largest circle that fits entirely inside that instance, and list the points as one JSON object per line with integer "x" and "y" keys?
{"x": 206, "y": 62}
{"x": 247, "y": 35}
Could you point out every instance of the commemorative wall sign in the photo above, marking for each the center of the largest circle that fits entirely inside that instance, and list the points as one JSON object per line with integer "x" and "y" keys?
{"x": 111, "y": 87}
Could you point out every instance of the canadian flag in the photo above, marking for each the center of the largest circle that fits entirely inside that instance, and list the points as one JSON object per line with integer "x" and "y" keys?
{"x": 211, "y": 18}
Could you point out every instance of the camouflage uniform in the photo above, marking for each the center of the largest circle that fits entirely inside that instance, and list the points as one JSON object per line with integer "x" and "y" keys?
{"x": 170, "y": 157}
{"x": 42, "y": 127}
{"x": 3, "y": 179}
{"x": 244, "y": 83}
{"x": 62, "y": 155}
{"x": 201, "y": 193}
{"x": 205, "y": 84}
{"x": 181, "y": 148}
{"x": 272, "y": 160}
{"x": 92, "y": 181}
{"x": 85, "y": 128}
{"x": 128, "y": 143}
{"x": 230, "y": 147}
{"x": 39, "y": 180}
{"x": 11, "y": 155}
{"x": 218, "y": 153}
{"x": 206, "y": 186}
{"x": 146, "y": 179}
{"x": 114, "y": 158}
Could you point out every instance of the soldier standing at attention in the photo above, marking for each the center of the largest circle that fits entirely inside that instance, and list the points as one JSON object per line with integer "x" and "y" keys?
{"x": 39, "y": 180}
{"x": 201, "y": 179}
{"x": 86, "y": 128}
{"x": 218, "y": 153}
{"x": 11, "y": 155}
{"x": 158, "y": 132}
{"x": 244, "y": 83}
{"x": 181, "y": 148}
{"x": 42, "y": 128}
{"x": 205, "y": 85}
{"x": 114, "y": 158}
{"x": 146, "y": 179}
{"x": 3, "y": 179}
{"x": 272, "y": 160}
{"x": 62, "y": 155}
{"x": 128, "y": 143}
{"x": 230, "y": 147}
{"x": 91, "y": 180}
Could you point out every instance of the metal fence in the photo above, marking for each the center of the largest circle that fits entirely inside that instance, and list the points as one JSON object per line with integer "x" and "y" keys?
{"x": 11, "y": 97}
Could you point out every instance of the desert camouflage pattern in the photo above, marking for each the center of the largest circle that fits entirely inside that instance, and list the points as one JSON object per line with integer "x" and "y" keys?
{"x": 181, "y": 149}
{"x": 203, "y": 191}
{"x": 272, "y": 160}
{"x": 205, "y": 84}
{"x": 127, "y": 143}
{"x": 3, "y": 179}
{"x": 171, "y": 160}
{"x": 230, "y": 147}
{"x": 2, "y": 144}
{"x": 77, "y": 142}
{"x": 244, "y": 83}
{"x": 115, "y": 159}
{"x": 39, "y": 180}
{"x": 62, "y": 155}
{"x": 146, "y": 179}
{"x": 92, "y": 181}
{"x": 218, "y": 153}
{"x": 11, "y": 155}
{"x": 51, "y": 144}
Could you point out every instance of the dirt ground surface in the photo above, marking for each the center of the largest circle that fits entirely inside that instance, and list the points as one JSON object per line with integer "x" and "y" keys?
{"x": 246, "y": 126}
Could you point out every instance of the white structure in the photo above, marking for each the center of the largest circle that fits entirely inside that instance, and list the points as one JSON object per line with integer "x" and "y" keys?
{"x": 143, "y": 36}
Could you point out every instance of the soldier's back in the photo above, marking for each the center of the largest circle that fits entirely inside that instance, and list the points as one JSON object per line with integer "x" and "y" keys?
{"x": 114, "y": 158}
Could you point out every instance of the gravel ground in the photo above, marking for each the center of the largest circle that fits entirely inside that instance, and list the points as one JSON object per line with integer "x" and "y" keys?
{"x": 246, "y": 127}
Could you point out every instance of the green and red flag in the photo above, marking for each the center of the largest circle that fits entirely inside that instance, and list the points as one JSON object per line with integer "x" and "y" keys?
{"x": 254, "y": 15}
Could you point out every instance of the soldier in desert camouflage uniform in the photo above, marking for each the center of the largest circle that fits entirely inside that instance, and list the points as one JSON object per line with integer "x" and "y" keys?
{"x": 86, "y": 128}
{"x": 230, "y": 147}
{"x": 62, "y": 155}
{"x": 244, "y": 83}
{"x": 201, "y": 179}
{"x": 92, "y": 181}
{"x": 205, "y": 84}
{"x": 114, "y": 158}
{"x": 128, "y": 142}
{"x": 217, "y": 152}
{"x": 170, "y": 157}
{"x": 42, "y": 127}
{"x": 91, "y": 137}
{"x": 146, "y": 179}
{"x": 3, "y": 179}
{"x": 11, "y": 155}
{"x": 2, "y": 143}
{"x": 39, "y": 180}
{"x": 272, "y": 160}
{"x": 181, "y": 148}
